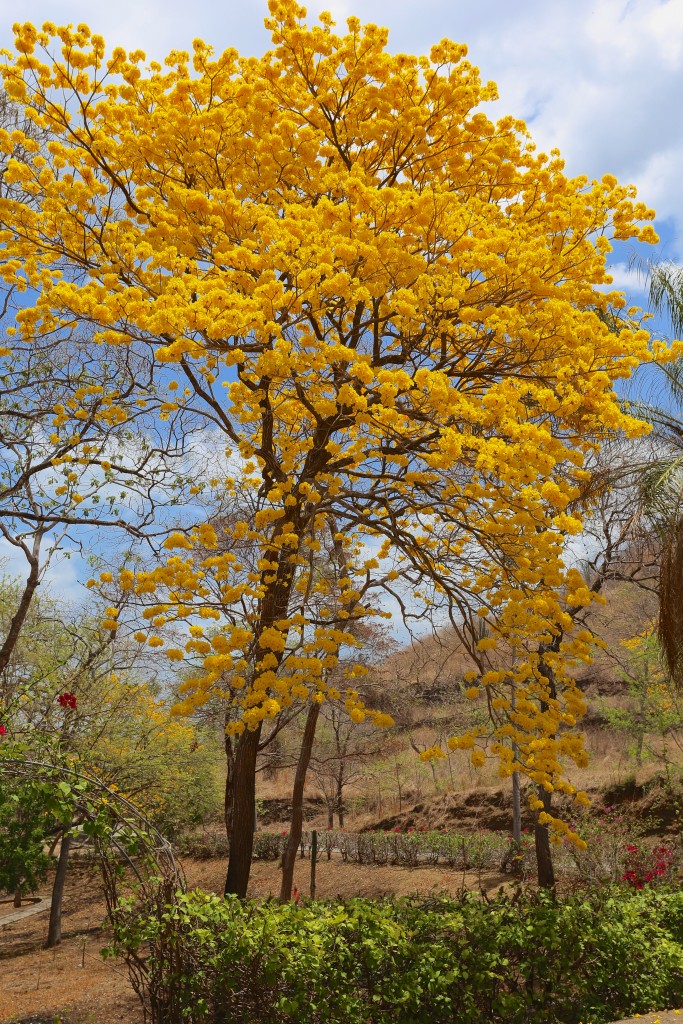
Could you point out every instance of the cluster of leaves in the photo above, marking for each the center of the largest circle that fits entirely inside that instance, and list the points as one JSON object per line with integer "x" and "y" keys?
{"x": 38, "y": 804}
{"x": 26, "y": 818}
{"x": 520, "y": 961}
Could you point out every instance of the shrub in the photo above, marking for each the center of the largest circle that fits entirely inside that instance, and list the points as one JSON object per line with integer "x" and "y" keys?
{"x": 269, "y": 845}
{"x": 202, "y": 845}
{"x": 657, "y": 866}
{"x": 526, "y": 960}
{"x": 608, "y": 836}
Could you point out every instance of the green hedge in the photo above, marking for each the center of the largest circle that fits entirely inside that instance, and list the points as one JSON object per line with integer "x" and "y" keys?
{"x": 593, "y": 956}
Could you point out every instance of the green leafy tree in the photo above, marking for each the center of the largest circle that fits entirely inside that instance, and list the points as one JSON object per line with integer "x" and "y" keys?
{"x": 26, "y": 820}
{"x": 652, "y": 715}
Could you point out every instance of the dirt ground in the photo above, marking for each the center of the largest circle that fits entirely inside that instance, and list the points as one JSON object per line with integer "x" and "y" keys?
{"x": 74, "y": 985}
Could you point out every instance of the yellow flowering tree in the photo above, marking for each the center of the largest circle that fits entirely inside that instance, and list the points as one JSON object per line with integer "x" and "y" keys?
{"x": 387, "y": 303}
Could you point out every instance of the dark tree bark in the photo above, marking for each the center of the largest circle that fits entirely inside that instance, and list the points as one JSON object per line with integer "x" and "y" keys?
{"x": 340, "y": 801}
{"x": 17, "y": 896}
{"x": 241, "y": 842}
{"x": 544, "y": 860}
{"x": 54, "y": 928}
{"x": 229, "y": 783}
{"x": 32, "y": 582}
{"x": 296, "y": 824}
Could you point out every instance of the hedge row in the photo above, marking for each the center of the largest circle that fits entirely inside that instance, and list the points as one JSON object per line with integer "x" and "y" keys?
{"x": 593, "y": 956}
{"x": 610, "y": 856}
{"x": 478, "y": 850}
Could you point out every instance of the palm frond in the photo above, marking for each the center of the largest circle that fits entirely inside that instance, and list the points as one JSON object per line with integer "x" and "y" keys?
{"x": 666, "y": 293}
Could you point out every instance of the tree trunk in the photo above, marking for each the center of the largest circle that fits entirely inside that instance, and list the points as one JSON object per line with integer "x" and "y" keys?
{"x": 241, "y": 843}
{"x": 229, "y": 784}
{"x": 54, "y": 928}
{"x": 296, "y": 826}
{"x": 17, "y": 896}
{"x": 516, "y": 812}
{"x": 340, "y": 802}
{"x": 30, "y": 587}
{"x": 544, "y": 860}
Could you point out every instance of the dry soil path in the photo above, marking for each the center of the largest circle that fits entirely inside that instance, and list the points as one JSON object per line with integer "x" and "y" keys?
{"x": 37, "y": 907}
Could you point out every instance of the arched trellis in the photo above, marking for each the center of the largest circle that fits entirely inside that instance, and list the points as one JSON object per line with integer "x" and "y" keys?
{"x": 134, "y": 857}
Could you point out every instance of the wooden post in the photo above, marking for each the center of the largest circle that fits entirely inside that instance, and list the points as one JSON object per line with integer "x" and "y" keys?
{"x": 314, "y": 859}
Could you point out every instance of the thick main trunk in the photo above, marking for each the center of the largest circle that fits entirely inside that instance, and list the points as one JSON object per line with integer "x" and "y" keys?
{"x": 17, "y": 896}
{"x": 296, "y": 824}
{"x": 54, "y": 928}
{"x": 229, "y": 784}
{"x": 544, "y": 860}
{"x": 241, "y": 842}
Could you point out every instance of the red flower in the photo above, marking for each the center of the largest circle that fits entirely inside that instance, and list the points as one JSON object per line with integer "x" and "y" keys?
{"x": 3, "y": 730}
{"x": 397, "y": 829}
{"x": 67, "y": 700}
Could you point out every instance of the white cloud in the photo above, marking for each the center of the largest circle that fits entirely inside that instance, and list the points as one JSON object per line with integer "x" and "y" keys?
{"x": 64, "y": 568}
{"x": 626, "y": 279}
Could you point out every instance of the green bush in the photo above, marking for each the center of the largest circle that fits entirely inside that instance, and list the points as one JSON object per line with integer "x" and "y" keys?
{"x": 269, "y": 845}
{"x": 202, "y": 845}
{"x": 26, "y": 822}
{"x": 592, "y": 956}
